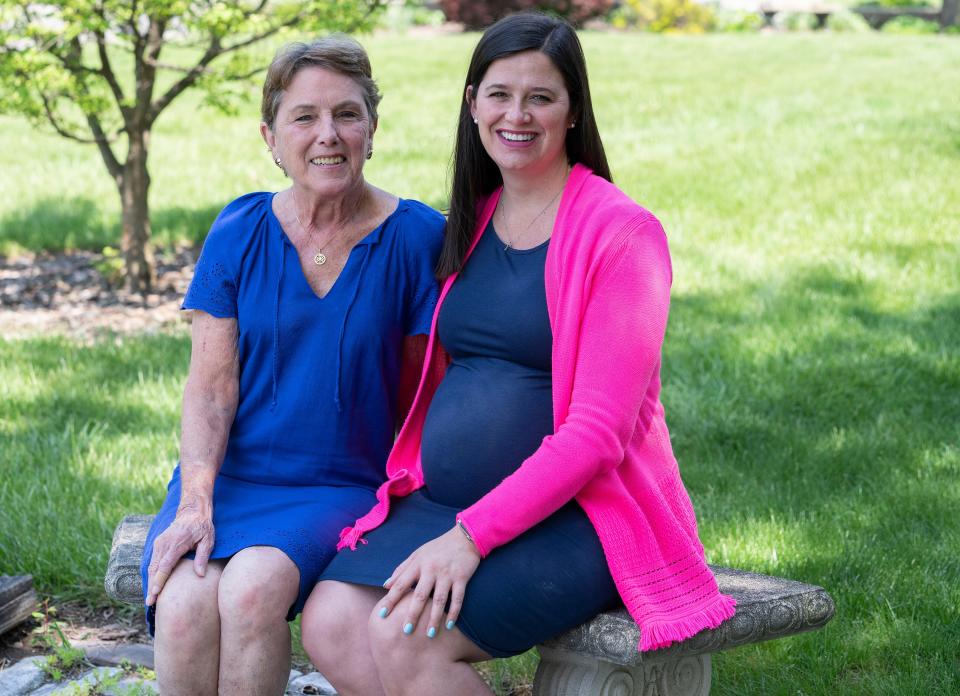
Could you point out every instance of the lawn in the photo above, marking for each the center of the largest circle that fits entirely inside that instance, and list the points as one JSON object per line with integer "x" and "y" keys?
{"x": 809, "y": 188}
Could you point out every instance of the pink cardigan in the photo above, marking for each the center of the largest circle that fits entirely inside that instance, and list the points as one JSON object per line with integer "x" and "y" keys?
{"x": 607, "y": 282}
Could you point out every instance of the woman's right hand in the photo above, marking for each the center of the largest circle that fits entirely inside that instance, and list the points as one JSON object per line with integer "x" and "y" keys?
{"x": 192, "y": 528}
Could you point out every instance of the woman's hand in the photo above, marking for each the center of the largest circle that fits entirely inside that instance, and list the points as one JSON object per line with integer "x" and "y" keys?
{"x": 191, "y": 529}
{"x": 440, "y": 568}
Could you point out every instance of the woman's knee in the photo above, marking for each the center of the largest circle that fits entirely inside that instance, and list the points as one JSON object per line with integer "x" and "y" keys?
{"x": 335, "y": 613}
{"x": 395, "y": 651}
{"x": 258, "y": 587}
{"x": 187, "y": 607}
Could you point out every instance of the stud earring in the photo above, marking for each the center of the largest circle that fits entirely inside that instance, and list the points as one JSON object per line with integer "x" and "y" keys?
{"x": 574, "y": 123}
{"x": 476, "y": 120}
{"x": 370, "y": 152}
{"x": 276, "y": 160}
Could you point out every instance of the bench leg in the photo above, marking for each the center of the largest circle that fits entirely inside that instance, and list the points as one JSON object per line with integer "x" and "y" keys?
{"x": 561, "y": 673}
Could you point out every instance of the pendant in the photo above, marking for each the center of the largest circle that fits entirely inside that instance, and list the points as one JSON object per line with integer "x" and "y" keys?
{"x": 320, "y": 258}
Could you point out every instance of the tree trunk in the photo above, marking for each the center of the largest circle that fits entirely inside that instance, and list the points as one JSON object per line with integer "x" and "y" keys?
{"x": 134, "y": 186}
{"x": 948, "y": 13}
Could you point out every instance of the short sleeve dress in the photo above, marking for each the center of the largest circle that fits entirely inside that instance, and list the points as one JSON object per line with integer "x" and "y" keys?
{"x": 319, "y": 378}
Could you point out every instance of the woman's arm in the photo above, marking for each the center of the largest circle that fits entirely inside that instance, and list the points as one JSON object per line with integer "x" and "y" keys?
{"x": 617, "y": 355}
{"x": 620, "y": 339}
{"x": 209, "y": 404}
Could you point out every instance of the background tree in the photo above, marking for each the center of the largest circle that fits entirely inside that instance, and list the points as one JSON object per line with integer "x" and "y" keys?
{"x": 102, "y": 71}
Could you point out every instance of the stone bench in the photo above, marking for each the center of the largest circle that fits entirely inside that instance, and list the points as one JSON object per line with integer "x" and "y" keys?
{"x": 600, "y": 658}
{"x": 820, "y": 9}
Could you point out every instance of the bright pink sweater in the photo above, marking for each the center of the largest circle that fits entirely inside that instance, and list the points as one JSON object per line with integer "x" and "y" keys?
{"x": 607, "y": 282}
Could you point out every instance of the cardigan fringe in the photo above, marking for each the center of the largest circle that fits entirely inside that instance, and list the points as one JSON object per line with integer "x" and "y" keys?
{"x": 661, "y": 633}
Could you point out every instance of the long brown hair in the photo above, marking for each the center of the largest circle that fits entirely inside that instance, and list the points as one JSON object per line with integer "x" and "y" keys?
{"x": 475, "y": 174}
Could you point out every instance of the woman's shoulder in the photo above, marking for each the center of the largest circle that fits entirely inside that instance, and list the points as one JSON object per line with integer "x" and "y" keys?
{"x": 609, "y": 216}
{"x": 418, "y": 225}
{"x": 241, "y": 214}
{"x": 236, "y": 228}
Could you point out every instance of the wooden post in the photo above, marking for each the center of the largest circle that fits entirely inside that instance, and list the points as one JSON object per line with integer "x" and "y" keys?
{"x": 18, "y": 600}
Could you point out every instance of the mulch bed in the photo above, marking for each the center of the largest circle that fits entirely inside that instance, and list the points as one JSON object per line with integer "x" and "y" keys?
{"x": 65, "y": 294}
{"x": 80, "y": 623}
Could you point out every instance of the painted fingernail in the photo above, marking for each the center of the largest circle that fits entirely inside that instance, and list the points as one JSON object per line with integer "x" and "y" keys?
{"x": 408, "y": 628}
{"x": 431, "y": 632}
{"x": 383, "y": 612}
{"x": 449, "y": 624}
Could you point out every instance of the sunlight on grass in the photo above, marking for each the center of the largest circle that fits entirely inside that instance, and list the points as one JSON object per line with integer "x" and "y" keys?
{"x": 812, "y": 365}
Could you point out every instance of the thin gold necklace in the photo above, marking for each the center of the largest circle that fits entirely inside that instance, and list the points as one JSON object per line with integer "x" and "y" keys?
{"x": 508, "y": 244}
{"x": 319, "y": 258}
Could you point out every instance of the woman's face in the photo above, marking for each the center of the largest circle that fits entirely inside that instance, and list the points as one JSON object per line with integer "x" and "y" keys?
{"x": 322, "y": 132}
{"x": 523, "y": 113}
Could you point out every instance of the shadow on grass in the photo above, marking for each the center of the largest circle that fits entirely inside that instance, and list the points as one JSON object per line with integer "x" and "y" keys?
{"x": 812, "y": 396}
{"x": 817, "y": 432}
{"x": 55, "y": 224}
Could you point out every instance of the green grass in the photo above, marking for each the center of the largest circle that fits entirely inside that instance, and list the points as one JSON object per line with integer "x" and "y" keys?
{"x": 808, "y": 184}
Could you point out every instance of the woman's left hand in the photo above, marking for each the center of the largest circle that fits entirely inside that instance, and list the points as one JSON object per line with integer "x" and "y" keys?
{"x": 440, "y": 568}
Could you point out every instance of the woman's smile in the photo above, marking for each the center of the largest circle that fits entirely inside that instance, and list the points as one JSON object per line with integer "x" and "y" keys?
{"x": 522, "y": 110}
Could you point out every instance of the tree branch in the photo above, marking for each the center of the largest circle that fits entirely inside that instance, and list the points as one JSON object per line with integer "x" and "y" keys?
{"x": 213, "y": 50}
{"x": 216, "y": 49}
{"x": 106, "y": 69}
{"x": 52, "y": 118}
{"x": 106, "y": 152}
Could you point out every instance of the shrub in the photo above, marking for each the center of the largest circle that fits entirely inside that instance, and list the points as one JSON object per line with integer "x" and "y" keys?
{"x": 481, "y": 14}
{"x": 906, "y": 3}
{"x": 795, "y": 21}
{"x": 738, "y": 20}
{"x": 847, "y": 21}
{"x": 411, "y": 13}
{"x": 681, "y": 16}
{"x": 910, "y": 25}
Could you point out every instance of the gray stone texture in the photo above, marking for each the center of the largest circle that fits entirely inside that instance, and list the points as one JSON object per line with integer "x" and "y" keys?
{"x": 767, "y": 607}
{"x": 71, "y": 687}
{"x": 23, "y": 677}
{"x": 113, "y": 655}
{"x": 123, "y": 687}
{"x": 313, "y": 683}
{"x": 122, "y": 581}
{"x": 569, "y": 674}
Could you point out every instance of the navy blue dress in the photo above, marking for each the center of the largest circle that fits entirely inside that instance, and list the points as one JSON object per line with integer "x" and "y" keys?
{"x": 318, "y": 378}
{"x": 490, "y": 412}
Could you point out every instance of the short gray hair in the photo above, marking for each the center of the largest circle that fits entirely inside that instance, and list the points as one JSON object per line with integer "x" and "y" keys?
{"x": 337, "y": 52}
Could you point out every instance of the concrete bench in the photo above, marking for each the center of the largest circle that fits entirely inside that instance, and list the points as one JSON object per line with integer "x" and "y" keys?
{"x": 818, "y": 8}
{"x": 600, "y": 658}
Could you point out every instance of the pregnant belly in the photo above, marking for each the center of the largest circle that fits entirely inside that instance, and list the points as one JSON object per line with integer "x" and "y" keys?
{"x": 486, "y": 417}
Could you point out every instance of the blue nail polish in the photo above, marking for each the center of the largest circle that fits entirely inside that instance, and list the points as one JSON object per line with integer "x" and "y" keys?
{"x": 408, "y": 628}
{"x": 383, "y": 612}
{"x": 449, "y": 624}
{"x": 431, "y": 632}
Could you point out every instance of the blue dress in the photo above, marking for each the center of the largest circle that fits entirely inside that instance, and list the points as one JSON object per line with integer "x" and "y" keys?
{"x": 319, "y": 378}
{"x": 490, "y": 412}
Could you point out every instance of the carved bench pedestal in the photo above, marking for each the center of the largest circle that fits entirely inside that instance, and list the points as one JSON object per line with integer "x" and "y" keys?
{"x": 561, "y": 673}
{"x": 600, "y": 657}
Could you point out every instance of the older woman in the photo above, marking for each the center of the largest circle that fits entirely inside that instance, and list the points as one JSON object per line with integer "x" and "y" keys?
{"x": 534, "y": 485}
{"x": 302, "y": 301}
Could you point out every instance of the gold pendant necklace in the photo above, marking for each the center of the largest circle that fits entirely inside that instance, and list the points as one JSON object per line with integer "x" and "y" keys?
{"x": 319, "y": 258}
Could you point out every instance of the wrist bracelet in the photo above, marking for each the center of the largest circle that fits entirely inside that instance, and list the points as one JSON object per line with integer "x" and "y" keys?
{"x": 465, "y": 532}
